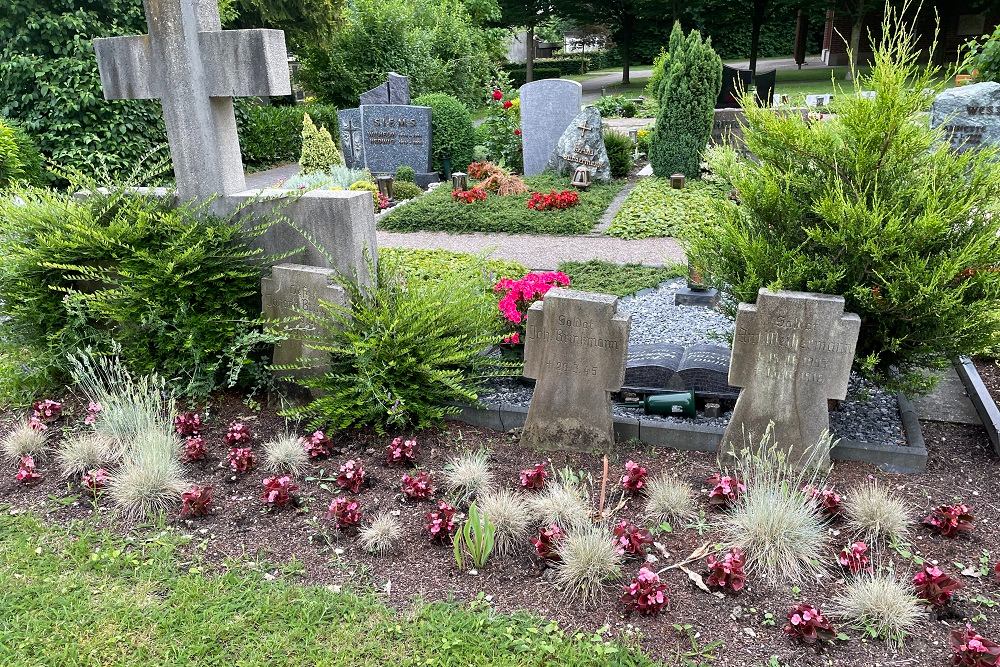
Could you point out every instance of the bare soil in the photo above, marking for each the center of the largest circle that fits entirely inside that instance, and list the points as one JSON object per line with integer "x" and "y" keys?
{"x": 300, "y": 542}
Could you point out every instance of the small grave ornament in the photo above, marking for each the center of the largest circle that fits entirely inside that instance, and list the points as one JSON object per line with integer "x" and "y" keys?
{"x": 459, "y": 181}
{"x": 385, "y": 186}
{"x": 581, "y": 178}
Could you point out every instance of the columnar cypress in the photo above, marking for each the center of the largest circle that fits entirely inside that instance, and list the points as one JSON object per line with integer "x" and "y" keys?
{"x": 691, "y": 83}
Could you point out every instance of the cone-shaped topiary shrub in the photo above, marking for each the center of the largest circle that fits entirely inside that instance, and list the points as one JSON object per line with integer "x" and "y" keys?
{"x": 319, "y": 152}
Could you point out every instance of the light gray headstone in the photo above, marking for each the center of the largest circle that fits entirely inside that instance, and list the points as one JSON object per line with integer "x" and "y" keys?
{"x": 547, "y": 107}
{"x": 792, "y": 351}
{"x": 352, "y": 143}
{"x": 396, "y": 90}
{"x": 291, "y": 290}
{"x": 970, "y": 115}
{"x": 575, "y": 347}
{"x": 396, "y": 135}
{"x": 582, "y": 145}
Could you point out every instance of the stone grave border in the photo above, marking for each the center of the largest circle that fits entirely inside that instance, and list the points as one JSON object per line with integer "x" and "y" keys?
{"x": 982, "y": 400}
{"x": 698, "y": 438}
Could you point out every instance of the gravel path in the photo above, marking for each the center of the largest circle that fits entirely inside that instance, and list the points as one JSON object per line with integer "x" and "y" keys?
{"x": 868, "y": 415}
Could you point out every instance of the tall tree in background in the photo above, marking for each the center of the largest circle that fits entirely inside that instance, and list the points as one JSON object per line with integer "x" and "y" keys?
{"x": 304, "y": 21}
{"x": 757, "y": 15}
{"x": 527, "y": 13}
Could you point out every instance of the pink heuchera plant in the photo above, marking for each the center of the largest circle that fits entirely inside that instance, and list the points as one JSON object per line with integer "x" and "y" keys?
{"x": 317, "y": 445}
{"x": 442, "y": 523}
{"x": 635, "y": 476}
{"x": 279, "y": 491}
{"x": 518, "y": 295}
{"x": 46, "y": 411}
{"x": 93, "y": 409}
{"x": 417, "y": 486}
{"x": 854, "y": 558}
{"x": 352, "y": 476}
{"x": 807, "y": 624}
{"x": 827, "y": 499}
{"x": 196, "y": 501}
{"x": 193, "y": 449}
{"x": 727, "y": 572}
{"x": 534, "y": 478}
{"x": 971, "y": 649}
{"x": 631, "y": 539}
{"x": 401, "y": 451}
{"x": 645, "y": 594}
{"x": 238, "y": 434}
{"x": 725, "y": 490}
{"x": 344, "y": 512}
{"x": 187, "y": 424}
{"x": 27, "y": 473}
{"x": 95, "y": 479}
{"x": 950, "y": 520}
{"x": 547, "y": 543}
{"x": 241, "y": 459}
{"x": 934, "y": 586}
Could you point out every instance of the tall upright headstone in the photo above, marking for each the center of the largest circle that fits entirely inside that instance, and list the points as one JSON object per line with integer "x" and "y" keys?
{"x": 791, "y": 353}
{"x": 395, "y": 135}
{"x": 970, "y": 115}
{"x": 396, "y": 90}
{"x": 582, "y": 145}
{"x": 547, "y": 108}
{"x": 575, "y": 347}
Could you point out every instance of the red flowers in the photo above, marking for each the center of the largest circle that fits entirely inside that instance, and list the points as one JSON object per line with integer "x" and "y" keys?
{"x": 727, "y": 572}
{"x": 317, "y": 445}
{"x": 725, "y": 490}
{"x": 950, "y": 520}
{"x": 827, "y": 499}
{"x": 507, "y": 104}
{"x": 27, "y": 474}
{"x": 630, "y": 539}
{"x": 518, "y": 295}
{"x": 195, "y": 501}
{"x": 238, "y": 434}
{"x": 934, "y": 586}
{"x": 645, "y": 594}
{"x": 401, "y": 451}
{"x": 187, "y": 424}
{"x": 854, "y": 558}
{"x": 634, "y": 478}
{"x": 344, "y": 512}
{"x": 241, "y": 459}
{"x": 497, "y": 94}
{"x": 517, "y": 131}
{"x": 971, "y": 649}
{"x": 807, "y": 624}
{"x": 547, "y": 543}
{"x": 352, "y": 476}
{"x": 95, "y": 479}
{"x": 418, "y": 486}
{"x": 554, "y": 200}
{"x": 279, "y": 491}
{"x": 442, "y": 523}
{"x": 534, "y": 478}
{"x": 193, "y": 449}
{"x": 469, "y": 196}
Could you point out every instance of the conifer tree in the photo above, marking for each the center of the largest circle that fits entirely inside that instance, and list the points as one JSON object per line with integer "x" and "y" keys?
{"x": 319, "y": 152}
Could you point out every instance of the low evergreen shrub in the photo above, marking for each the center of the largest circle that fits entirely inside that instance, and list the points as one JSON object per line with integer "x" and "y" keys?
{"x": 616, "y": 106}
{"x": 405, "y": 173}
{"x": 405, "y": 190}
{"x": 319, "y": 151}
{"x": 19, "y": 157}
{"x": 620, "y": 149}
{"x": 452, "y": 134}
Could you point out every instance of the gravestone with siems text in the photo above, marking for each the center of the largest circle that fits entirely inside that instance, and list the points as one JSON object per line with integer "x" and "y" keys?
{"x": 396, "y": 135}
{"x": 547, "y": 108}
{"x": 582, "y": 145}
{"x": 791, "y": 353}
{"x": 575, "y": 347}
{"x": 970, "y": 115}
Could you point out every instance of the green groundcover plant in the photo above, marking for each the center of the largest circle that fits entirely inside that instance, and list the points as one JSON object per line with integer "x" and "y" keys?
{"x": 872, "y": 205}
{"x": 654, "y": 208}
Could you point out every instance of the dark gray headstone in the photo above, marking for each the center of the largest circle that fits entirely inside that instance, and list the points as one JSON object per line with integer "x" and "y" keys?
{"x": 582, "y": 144}
{"x": 396, "y": 135}
{"x": 970, "y": 115}
{"x": 394, "y": 91}
{"x": 352, "y": 143}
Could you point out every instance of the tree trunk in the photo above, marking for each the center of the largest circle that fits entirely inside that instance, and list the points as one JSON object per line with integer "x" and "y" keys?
{"x": 626, "y": 47}
{"x": 529, "y": 64}
{"x": 855, "y": 44}
{"x": 756, "y": 22}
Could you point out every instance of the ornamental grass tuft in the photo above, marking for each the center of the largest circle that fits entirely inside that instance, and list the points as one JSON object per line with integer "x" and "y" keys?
{"x": 286, "y": 453}
{"x": 588, "y": 563}
{"x": 23, "y": 440}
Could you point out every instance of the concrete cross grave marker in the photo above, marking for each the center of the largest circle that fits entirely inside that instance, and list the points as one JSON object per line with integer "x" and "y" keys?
{"x": 575, "y": 347}
{"x": 791, "y": 353}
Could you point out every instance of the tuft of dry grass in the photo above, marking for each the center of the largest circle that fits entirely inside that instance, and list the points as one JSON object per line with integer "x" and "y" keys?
{"x": 669, "y": 499}
{"x": 588, "y": 563}
{"x": 876, "y": 514}
{"x": 151, "y": 477}
{"x": 510, "y": 515}
{"x": 23, "y": 440}
{"x": 285, "y": 454}
{"x": 381, "y": 535}
{"x": 82, "y": 452}
{"x": 468, "y": 475}
{"x": 561, "y": 503}
{"x": 880, "y": 605}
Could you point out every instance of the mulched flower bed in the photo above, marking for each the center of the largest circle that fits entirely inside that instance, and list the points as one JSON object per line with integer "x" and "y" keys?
{"x": 962, "y": 468}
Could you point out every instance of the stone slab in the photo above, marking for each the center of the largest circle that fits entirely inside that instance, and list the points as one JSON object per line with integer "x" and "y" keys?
{"x": 983, "y": 401}
{"x": 582, "y": 145}
{"x": 949, "y": 402}
{"x": 969, "y": 115}
{"x": 706, "y": 298}
{"x": 547, "y": 108}
{"x": 396, "y": 135}
{"x": 575, "y": 348}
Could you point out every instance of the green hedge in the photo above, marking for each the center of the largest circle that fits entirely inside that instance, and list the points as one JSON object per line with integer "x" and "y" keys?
{"x": 518, "y": 74}
{"x": 566, "y": 66}
{"x": 452, "y": 133}
{"x": 273, "y": 134}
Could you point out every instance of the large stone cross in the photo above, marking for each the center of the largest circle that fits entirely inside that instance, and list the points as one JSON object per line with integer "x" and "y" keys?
{"x": 196, "y": 69}
{"x": 575, "y": 348}
{"x": 792, "y": 352}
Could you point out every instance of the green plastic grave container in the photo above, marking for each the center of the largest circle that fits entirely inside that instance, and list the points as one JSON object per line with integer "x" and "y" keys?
{"x": 675, "y": 404}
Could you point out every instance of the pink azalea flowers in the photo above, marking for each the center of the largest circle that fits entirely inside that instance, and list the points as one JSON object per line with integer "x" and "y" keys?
{"x": 518, "y": 295}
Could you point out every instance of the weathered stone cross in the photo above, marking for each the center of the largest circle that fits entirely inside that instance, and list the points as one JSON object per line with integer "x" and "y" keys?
{"x": 196, "y": 69}
{"x": 792, "y": 352}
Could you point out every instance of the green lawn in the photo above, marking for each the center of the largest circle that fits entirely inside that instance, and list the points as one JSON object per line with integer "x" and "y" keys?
{"x": 81, "y": 597}
{"x": 436, "y": 211}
